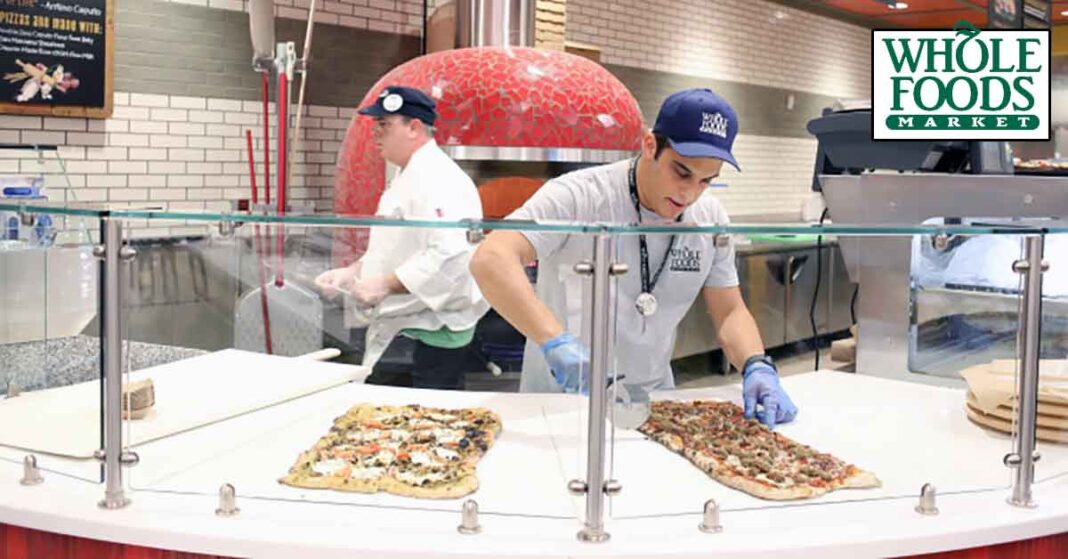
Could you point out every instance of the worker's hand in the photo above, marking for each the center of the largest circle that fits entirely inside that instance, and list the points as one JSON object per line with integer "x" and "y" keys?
{"x": 569, "y": 362}
{"x": 760, "y": 387}
{"x": 333, "y": 282}
{"x": 369, "y": 292}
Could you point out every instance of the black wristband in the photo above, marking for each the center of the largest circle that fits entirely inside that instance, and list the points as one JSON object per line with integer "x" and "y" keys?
{"x": 758, "y": 357}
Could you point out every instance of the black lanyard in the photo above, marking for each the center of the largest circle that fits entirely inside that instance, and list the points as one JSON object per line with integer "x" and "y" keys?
{"x": 643, "y": 249}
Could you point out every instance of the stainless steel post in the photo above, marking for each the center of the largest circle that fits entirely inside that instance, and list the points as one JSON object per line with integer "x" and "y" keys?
{"x": 1030, "y": 334}
{"x": 111, "y": 355}
{"x": 602, "y": 271}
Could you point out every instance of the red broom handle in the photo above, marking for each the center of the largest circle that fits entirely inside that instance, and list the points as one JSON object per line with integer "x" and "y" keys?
{"x": 259, "y": 254}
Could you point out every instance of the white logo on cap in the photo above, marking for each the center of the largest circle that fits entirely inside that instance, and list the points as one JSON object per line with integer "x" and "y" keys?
{"x": 714, "y": 124}
{"x": 392, "y": 102}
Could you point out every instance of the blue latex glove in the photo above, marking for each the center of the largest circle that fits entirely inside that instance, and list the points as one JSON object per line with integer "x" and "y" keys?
{"x": 760, "y": 386}
{"x": 569, "y": 362}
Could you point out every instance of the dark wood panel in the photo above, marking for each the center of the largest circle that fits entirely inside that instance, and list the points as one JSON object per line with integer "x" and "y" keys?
{"x": 1049, "y": 547}
{"x": 24, "y": 543}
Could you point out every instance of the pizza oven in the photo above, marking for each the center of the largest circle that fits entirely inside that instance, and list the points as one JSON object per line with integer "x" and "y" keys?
{"x": 511, "y": 115}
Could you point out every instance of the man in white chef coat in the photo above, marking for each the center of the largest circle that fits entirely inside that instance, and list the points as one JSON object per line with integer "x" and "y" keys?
{"x": 414, "y": 282}
{"x": 667, "y": 182}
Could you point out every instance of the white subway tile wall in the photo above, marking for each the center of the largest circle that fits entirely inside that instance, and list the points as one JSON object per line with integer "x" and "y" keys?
{"x": 776, "y": 176}
{"x": 390, "y": 16}
{"x": 153, "y": 154}
{"x": 748, "y": 41}
{"x": 183, "y": 152}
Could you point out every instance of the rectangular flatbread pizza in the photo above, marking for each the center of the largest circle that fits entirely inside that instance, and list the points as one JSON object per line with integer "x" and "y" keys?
{"x": 746, "y": 455}
{"x": 413, "y": 451}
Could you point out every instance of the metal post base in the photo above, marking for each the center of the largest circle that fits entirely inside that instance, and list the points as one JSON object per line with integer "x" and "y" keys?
{"x": 1027, "y": 503}
{"x": 114, "y": 503}
{"x": 593, "y": 535}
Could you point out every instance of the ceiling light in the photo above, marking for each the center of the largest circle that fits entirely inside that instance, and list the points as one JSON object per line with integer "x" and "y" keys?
{"x": 1064, "y": 13}
{"x": 898, "y": 5}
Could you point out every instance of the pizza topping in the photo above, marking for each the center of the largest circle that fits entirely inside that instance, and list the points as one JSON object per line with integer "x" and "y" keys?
{"x": 422, "y": 459}
{"x": 717, "y": 437}
{"x": 418, "y": 478}
{"x": 383, "y": 458}
{"x": 420, "y": 447}
{"x": 448, "y": 435}
{"x": 329, "y": 466}
{"x": 366, "y": 473}
{"x": 447, "y": 454}
{"x": 368, "y": 435}
{"x": 442, "y": 417}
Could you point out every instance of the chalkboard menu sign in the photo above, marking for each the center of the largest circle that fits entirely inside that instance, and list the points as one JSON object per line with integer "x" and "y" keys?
{"x": 56, "y": 57}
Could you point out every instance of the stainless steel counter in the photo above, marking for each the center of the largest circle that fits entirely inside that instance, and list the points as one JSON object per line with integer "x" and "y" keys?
{"x": 778, "y": 280}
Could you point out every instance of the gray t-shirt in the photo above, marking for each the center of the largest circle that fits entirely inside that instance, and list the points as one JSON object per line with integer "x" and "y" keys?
{"x": 642, "y": 346}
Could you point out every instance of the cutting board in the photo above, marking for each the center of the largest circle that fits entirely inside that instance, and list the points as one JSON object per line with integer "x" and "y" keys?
{"x": 190, "y": 393}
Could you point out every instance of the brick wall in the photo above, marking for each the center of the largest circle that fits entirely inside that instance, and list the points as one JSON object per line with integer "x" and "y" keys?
{"x": 175, "y": 152}
{"x": 390, "y": 16}
{"x": 550, "y": 18}
{"x": 748, "y": 41}
{"x": 756, "y": 52}
{"x": 186, "y": 93}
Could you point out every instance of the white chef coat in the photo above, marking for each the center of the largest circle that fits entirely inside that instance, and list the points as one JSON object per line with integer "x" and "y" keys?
{"x": 431, "y": 262}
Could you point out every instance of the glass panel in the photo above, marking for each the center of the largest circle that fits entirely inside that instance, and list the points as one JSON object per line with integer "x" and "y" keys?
{"x": 1052, "y": 419}
{"x": 194, "y": 307}
{"x": 53, "y": 208}
{"x": 965, "y": 297}
{"x": 36, "y": 174}
{"x": 229, "y": 410}
{"x": 49, "y": 350}
{"x": 905, "y": 429}
{"x": 340, "y": 220}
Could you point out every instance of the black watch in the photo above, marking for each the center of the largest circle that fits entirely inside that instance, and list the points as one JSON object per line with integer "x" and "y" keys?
{"x": 756, "y": 358}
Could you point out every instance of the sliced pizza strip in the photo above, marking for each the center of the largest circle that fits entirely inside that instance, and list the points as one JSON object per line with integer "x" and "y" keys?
{"x": 745, "y": 455}
{"x": 406, "y": 450}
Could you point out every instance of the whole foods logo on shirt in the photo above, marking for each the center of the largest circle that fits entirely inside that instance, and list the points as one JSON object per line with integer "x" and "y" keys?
{"x": 964, "y": 84}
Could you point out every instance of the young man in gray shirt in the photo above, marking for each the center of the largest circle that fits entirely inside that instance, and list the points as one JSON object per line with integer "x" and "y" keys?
{"x": 667, "y": 182}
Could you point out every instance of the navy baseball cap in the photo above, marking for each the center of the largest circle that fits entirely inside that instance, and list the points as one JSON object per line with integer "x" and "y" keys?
{"x": 407, "y": 101}
{"x": 698, "y": 123}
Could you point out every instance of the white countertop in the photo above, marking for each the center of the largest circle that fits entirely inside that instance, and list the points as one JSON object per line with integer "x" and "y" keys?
{"x": 907, "y": 434}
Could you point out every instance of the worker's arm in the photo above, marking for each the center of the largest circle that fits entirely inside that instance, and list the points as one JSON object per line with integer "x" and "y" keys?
{"x": 498, "y": 268}
{"x": 762, "y": 394}
{"x": 393, "y": 285}
{"x": 735, "y": 328}
{"x": 333, "y": 282}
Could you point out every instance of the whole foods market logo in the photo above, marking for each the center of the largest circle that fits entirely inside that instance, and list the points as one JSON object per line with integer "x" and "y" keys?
{"x": 964, "y": 84}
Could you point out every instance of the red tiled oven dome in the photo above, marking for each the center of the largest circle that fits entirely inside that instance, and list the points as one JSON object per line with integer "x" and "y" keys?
{"x": 497, "y": 97}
